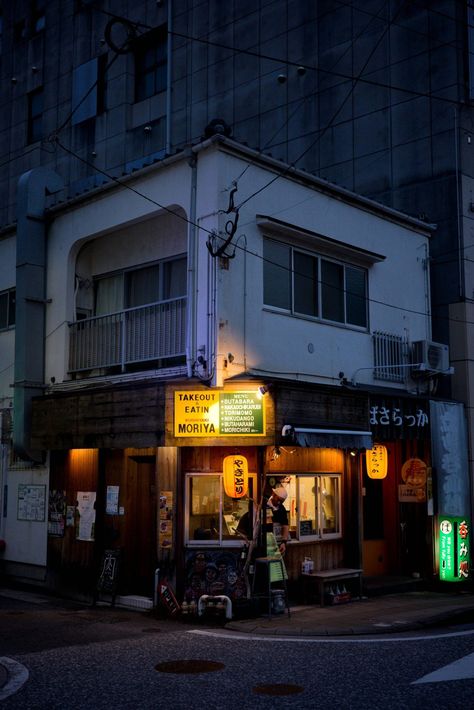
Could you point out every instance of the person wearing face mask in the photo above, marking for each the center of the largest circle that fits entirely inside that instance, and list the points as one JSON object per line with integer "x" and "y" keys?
{"x": 277, "y": 518}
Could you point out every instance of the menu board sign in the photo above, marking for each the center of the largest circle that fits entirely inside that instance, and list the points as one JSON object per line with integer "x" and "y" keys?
{"x": 203, "y": 413}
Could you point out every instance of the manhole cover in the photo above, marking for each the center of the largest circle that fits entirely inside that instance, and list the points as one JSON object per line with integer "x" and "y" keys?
{"x": 278, "y": 689}
{"x": 191, "y": 666}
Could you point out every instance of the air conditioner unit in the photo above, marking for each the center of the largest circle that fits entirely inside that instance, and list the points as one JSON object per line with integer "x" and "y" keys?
{"x": 428, "y": 356}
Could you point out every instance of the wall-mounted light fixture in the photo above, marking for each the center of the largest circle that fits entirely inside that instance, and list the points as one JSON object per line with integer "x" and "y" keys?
{"x": 263, "y": 389}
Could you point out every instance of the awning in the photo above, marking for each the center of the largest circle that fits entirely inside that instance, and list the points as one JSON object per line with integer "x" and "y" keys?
{"x": 333, "y": 438}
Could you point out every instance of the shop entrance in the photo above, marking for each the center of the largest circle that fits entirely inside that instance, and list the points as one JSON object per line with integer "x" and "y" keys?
{"x": 133, "y": 527}
{"x": 394, "y": 516}
{"x": 379, "y": 531}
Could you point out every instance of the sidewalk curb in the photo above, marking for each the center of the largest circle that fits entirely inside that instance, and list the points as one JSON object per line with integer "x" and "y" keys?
{"x": 14, "y": 677}
{"x": 281, "y": 625}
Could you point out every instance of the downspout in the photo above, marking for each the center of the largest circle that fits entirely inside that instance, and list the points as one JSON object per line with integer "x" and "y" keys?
{"x": 192, "y": 266}
{"x": 169, "y": 75}
{"x": 33, "y": 187}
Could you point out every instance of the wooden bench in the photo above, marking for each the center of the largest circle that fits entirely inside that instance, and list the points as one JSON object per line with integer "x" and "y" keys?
{"x": 325, "y": 576}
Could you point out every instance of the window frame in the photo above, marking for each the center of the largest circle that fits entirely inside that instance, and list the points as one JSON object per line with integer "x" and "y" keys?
{"x": 220, "y": 541}
{"x": 295, "y": 488}
{"x": 155, "y": 41}
{"x": 35, "y": 116}
{"x": 10, "y": 294}
{"x": 125, "y": 275}
{"x": 320, "y": 259}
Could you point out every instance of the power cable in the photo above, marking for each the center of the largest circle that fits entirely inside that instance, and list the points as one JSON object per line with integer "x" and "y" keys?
{"x": 333, "y": 117}
{"x": 237, "y": 246}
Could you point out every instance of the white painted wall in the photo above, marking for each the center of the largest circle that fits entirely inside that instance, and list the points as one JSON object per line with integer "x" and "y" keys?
{"x": 119, "y": 228}
{"x": 398, "y": 287}
{"x": 125, "y": 227}
{"x": 26, "y": 541}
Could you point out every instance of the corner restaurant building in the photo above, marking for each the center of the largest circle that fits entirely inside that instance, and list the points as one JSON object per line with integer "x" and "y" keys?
{"x": 153, "y": 454}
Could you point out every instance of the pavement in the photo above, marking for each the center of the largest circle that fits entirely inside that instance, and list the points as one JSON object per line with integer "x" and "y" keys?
{"x": 381, "y": 614}
{"x": 388, "y": 613}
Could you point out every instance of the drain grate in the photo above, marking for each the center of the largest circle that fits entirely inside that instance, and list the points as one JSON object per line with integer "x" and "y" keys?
{"x": 189, "y": 666}
{"x": 278, "y": 689}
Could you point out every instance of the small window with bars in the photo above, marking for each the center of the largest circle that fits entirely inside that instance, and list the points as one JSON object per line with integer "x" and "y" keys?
{"x": 390, "y": 357}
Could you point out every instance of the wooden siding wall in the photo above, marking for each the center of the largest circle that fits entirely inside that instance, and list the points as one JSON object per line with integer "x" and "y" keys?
{"x": 73, "y": 471}
{"x": 118, "y": 418}
{"x": 316, "y": 407}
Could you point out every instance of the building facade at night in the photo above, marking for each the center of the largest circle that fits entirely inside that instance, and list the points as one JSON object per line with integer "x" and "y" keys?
{"x": 173, "y": 240}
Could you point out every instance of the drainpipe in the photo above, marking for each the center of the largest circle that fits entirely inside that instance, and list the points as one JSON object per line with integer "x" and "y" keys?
{"x": 192, "y": 266}
{"x": 33, "y": 187}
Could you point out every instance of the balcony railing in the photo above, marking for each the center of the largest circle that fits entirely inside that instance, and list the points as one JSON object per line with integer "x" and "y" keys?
{"x": 153, "y": 332}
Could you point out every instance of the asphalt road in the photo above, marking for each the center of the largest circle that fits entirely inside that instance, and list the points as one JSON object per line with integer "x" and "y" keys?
{"x": 103, "y": 658}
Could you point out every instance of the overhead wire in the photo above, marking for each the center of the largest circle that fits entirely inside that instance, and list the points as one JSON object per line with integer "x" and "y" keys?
{"x": 237, "y": 246}
{"x": 121, "y": 18}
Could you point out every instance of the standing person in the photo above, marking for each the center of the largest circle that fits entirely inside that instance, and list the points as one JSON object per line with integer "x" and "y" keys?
{"x": 276, "y": 523}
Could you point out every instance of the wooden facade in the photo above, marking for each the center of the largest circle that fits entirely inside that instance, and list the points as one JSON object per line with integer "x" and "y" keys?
{"x": 144, "y": 413}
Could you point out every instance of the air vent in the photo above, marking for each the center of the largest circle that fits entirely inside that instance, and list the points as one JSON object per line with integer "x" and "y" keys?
{"x": 428, "y": 356}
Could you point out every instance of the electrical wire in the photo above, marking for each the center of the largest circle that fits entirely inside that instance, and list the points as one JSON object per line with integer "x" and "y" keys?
{"x": 240, "y": 248}
{"x": 333, "y": 117}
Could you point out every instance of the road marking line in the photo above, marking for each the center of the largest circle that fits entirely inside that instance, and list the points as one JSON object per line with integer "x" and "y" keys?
{"x": 321, "y": 639}
{"x": 17, "y": 676}
{"x": 461, "y": 669}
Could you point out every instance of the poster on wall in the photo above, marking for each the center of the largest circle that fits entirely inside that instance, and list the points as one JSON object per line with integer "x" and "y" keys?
{"x": 85, "y": 509}
{"x": 112, "y": 500}
{"x": 414, "y": 476}
{"x": 56, "y": 513}
{"x": 166, "y": 519}
{"x": 70, "y": 511}
{"x": 31, "y": 502}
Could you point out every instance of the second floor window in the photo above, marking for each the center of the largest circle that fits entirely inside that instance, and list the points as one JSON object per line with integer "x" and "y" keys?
{"x": 151, "y": 64}
{"x": 307, "y": 284}
{"x": 7, "y": 309}
{"x": 35, "y": 116}
{"x": 141, "y": 286}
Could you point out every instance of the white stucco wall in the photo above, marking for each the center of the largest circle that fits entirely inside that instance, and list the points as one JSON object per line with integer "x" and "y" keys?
{"x": 127, "y": 229}
{"x": 304, "y": 348}
{"x": 119, "y": 228}
{"x": 26, "y": 540}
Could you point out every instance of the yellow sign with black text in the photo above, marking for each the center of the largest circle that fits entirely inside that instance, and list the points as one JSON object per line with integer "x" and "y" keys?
{"x": 210, "y": 413}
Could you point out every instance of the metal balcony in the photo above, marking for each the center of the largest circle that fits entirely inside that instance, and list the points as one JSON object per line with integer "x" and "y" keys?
{"x": 136, "y": 335}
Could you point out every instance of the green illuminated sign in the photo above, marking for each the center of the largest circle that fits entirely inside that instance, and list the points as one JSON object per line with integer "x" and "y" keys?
{"x": 454, "y": 549}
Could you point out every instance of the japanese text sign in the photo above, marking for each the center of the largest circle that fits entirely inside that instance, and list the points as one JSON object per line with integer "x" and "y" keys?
{"x": 236, "y": 476}
{"x": 454, "y": 549}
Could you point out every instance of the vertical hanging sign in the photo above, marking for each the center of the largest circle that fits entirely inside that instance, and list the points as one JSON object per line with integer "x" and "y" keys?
{"x": 377, "y": 461}
{"x": 454, "y": 549}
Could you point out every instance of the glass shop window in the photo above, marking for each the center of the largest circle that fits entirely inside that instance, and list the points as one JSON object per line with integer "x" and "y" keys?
{"x": 212, "y": 518}
{"x": 314, "y": 506}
